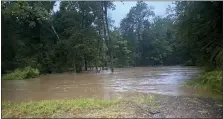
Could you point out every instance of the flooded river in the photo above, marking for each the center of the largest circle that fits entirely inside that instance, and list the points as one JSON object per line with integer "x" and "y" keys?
{"x": 167, "y": 80}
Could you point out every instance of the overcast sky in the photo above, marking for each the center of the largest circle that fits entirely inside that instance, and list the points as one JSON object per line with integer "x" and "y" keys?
{"x": 122, "y": 8}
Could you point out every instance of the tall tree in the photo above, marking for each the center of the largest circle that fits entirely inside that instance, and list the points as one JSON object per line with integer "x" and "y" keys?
{"x": 199, "y": 26}
{"x": 132, "y": 28}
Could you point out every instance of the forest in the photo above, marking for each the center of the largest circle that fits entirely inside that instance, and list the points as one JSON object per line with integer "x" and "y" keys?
{"x": 81, "y": 36}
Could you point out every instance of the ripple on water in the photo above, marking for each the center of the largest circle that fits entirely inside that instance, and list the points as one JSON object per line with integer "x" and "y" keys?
{"x": 162, "y": 80}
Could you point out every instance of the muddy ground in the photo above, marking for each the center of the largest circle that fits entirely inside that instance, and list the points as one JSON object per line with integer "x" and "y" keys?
{"x": 182, "y": 107}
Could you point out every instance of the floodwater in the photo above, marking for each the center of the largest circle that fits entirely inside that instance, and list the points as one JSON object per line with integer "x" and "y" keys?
{"x": 167, "y": 80}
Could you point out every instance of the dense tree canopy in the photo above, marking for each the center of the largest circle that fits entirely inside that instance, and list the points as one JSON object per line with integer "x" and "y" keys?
{"x": 80, "y": 36}
{"x": 200, "y": 28}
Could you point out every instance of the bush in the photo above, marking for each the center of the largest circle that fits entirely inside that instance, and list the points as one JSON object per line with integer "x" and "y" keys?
{"x": 211, "y": 80}
{"x": 188, "y": 63}
{"x": 19, "y": 74}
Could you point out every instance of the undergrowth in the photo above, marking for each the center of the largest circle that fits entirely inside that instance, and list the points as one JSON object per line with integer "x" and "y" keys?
{"x": 209, "y": 80}
{"x": 19, "y": 74}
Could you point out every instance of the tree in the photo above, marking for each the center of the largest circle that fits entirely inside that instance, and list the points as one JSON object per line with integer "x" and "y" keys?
{"x": 107, "y": 34}
{"x": 121, "y": 51}
{"x": 80, "y": 35}
{"x": 199, "y": 28}
{"x": 132, "y": 27}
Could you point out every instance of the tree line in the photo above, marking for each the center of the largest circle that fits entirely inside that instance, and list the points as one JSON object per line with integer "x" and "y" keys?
{"x": 81, "y": 35}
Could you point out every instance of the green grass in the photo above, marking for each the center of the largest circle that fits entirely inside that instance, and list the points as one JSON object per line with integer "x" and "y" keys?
{"x": 82, "y": 107}
{"x": 145, "y": 99}
{"x": 211, "y": 80}
{"x": 49, "y": 108}
{"x": 149, "y": 100}
{"x": 19, "y": 74}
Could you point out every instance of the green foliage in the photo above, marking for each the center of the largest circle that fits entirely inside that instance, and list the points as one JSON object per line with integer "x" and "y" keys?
{"x": 53, "y": 42}
{"x": 210, "y": 80}
{"x": 19, "y": 74}
{"x": 79, "y": 36}
{"x": 150, "y": 43}
{"x": 121, "y": 51}
{"x": 199, "y": 30}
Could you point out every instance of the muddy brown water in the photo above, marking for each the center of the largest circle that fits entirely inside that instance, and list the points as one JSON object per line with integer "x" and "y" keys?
{"x": 167, "y": 80}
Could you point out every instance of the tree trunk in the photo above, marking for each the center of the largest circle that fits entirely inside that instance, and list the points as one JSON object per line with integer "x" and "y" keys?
{"x": 74, "y": 68}
{"x": 105, "y": 40}
{"x": 85, "y": 63}
{"x": 82, "y": 37}
{"x": 54, "y": 31}
{"x": 96, "y": 66}
{"x": 108, "y": 37}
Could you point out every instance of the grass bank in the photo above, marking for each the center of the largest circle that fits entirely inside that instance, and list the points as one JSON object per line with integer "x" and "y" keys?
{"x": 211, "y": 80}
{"x": 21, "y": 73}
{"x": 76, "y": 108}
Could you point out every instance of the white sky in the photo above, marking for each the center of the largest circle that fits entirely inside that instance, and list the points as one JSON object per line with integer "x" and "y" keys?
{"x": 122, "y": 8}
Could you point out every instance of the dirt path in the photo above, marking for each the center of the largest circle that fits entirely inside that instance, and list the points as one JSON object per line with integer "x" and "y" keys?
{"x": 183, "y": 107}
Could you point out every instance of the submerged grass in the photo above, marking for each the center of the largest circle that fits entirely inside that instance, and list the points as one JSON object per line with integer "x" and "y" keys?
{"x": 83, "y": 107}
{"x": 211, "y": 80}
